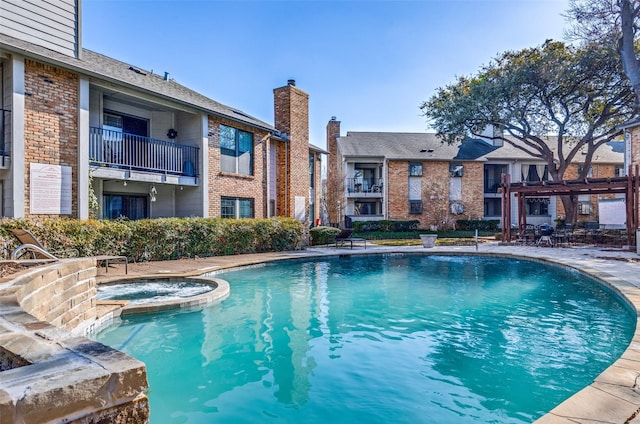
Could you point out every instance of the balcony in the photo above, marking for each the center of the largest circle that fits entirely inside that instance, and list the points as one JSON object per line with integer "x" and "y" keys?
{"x": 364, "y": 187}
{"x": 119, "y": 151}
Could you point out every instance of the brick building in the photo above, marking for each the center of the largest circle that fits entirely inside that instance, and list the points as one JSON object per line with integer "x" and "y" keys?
{"x": 77, "y": 124}
{"x": 413, "y": 176}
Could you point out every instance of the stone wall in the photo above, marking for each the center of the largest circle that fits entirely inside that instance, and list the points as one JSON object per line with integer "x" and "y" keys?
{"x": 48, "y": 374}
{"x": 62, "y": 294}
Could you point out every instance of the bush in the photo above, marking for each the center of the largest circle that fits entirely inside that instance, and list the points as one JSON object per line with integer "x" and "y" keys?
{"x": 385, "y": 226}
{"x": 477, "y": 224}
{"x": 323, "y": 235}
{"x": 159, "y": 239}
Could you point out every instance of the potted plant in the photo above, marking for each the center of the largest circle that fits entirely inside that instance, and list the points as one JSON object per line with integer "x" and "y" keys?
{"x": 428, "y": 240}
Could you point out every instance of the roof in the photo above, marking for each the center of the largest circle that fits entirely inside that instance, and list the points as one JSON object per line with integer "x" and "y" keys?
{"x": 103, "y": 67}
{"x": 397, "y": 146}
{"x": 427, "y": 146}
{"x": 317, "y": 149}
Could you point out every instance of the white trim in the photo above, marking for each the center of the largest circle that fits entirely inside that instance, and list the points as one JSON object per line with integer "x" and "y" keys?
{"x": 17, "y": 134}
{"x": 204, "y": 168}
{"x": 83, "y": 148}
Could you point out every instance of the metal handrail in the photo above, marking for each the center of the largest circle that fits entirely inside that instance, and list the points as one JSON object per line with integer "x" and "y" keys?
{"x": 129, "y": 151}
{"x": 364, "y": 185}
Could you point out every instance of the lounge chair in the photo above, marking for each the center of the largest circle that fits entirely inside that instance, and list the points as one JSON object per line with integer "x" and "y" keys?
{"x": 344, "y": 236}
{"x": 31, "y": 246}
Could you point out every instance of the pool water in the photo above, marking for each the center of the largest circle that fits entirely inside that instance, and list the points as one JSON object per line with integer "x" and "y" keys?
{"x": 149, "y": 291}
{"x": 380, "y": 339}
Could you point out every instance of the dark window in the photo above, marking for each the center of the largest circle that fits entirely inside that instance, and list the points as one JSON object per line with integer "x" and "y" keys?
{"x": 234, "y": 207}
{"x": 415, "y": 206}
{"x": 492, "y": 207}
{"x": 366, "y": 208}
{"x": 132, "y": 207}
{"x": 537, "y": 206}
{"x": 312, "y": 171}
{"x": 415, "y": 170}
{"x": 236, "y": 149}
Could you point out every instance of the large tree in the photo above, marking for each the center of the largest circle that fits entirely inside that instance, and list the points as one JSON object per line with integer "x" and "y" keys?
{"x": 614, "y": 23}
{"x": 577, "y": 95}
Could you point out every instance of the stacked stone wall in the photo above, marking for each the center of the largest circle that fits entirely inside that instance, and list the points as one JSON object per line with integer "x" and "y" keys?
{"x": 48, "y": 374}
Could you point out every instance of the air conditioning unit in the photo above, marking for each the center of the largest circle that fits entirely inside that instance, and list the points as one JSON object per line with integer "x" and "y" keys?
{"x": 457, "y": 208}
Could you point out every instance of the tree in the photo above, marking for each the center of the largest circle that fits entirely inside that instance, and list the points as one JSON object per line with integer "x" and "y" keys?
{"x": 577, "y": 95}
{"x": 615, "y": 23}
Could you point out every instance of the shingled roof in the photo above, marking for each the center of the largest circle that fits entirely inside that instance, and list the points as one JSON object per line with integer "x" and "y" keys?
{"x": 427, "y": 147}
{"x": 102, "y": 67}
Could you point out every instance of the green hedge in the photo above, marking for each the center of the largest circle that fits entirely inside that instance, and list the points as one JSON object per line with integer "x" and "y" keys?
{"x": 323, "y": 235}
{"x": 159, "y": 239}
{"x": 477, "y": 224}
{"x": 385, "y": 226}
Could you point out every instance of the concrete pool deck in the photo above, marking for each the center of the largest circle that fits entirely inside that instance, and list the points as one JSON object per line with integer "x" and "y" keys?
{"x": 613, "y": 397}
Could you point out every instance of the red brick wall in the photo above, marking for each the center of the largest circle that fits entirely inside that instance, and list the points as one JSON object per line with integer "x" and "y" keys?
{"x": 51, "y": 123}
{"x": 291, "y": 110}
{"x": 223, "y": 184}
{"x": 435, "y": 192}
{"x": 333, "y": 193}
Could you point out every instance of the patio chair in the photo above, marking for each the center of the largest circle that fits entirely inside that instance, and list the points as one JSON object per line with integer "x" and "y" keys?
{"x": 32, "y": 247}
{"x": 29, "y": 245}
{"x": 345, "y": 236}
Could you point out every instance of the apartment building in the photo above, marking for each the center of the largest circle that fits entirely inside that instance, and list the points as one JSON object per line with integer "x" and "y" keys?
{"x": 413, "y": 176}
{"x": 83, "y": 134}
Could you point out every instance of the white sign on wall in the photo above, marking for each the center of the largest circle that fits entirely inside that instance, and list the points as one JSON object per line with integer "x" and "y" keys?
{"x": 50, "y": 189}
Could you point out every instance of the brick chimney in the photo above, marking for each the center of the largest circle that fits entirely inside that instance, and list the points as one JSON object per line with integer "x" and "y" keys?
{"x": 334, "y": 171}
{"x": 291, "y": 110}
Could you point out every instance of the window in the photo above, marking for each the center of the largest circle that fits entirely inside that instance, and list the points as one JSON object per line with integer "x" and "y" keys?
{"x": 312, "y": 171}
{"x": 235, "y": 207}
{"x": 456, "y": 170}
{"x": 619, "y": 171}
{"x": 415, "y": 206}
{"x": 584, "y": 208}
{"x": 365, "y": 208}
{"x": 492, "y": 206}
{"x": 236, "y": 151}
{"x": 589, "y": 172}
{"x": 537, "y": 206}
{"x": 415, "y": 170}
{"x": 129, "y": 206}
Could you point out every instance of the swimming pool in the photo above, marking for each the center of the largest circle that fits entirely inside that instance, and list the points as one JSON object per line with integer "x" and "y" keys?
{"x": 398, "y": 338}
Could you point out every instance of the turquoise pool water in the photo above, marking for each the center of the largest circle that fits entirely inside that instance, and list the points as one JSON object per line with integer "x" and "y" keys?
{"x": 380, "y": 339}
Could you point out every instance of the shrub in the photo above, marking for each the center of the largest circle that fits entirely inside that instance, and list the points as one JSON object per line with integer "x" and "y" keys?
{"x": 477, "y": 224}
{"x": 385, "y": 226}
{"x": 323, "y": 235}
{"x": 159, "y": 239}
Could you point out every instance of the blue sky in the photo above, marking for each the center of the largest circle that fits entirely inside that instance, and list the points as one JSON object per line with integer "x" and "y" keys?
{"x": 369, "y": 63}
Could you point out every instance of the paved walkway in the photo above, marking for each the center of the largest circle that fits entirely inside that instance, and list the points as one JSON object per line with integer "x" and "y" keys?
{"x": 613, "y": 397}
